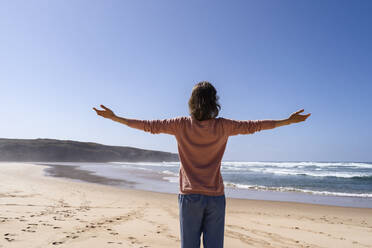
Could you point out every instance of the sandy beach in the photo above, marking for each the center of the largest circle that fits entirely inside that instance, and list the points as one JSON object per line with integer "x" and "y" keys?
{"x": 41, "y": 211}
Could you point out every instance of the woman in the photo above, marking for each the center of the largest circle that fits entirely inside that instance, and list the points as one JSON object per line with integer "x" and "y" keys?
{"x": 202, "y": 139}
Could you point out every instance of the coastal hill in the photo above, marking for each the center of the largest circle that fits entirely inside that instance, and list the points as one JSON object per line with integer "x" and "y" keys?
{"x": 52, "y": 150}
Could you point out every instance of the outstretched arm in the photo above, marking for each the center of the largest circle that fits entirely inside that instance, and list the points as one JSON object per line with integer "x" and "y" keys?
{"x": 294, "y": 118}
{"x": 168, "y": 126}
{"x": 235, "y": 127}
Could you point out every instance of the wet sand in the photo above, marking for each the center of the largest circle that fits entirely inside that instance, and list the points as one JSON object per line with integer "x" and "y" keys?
{"x": 41, "y": 211}
{"x": 73, "y": 172}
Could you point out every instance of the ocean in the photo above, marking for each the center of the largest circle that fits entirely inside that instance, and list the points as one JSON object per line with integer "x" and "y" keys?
{"x": 330, "y": 183}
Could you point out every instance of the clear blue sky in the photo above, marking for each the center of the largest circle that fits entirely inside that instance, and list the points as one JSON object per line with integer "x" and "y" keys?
{"x": 266, "y": 59}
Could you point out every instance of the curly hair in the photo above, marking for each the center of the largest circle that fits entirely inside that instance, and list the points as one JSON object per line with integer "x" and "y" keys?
{"x": 203, "y": 103}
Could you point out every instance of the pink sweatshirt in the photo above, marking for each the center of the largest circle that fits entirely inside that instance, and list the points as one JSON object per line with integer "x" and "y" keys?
{"x": 201, "y": 145}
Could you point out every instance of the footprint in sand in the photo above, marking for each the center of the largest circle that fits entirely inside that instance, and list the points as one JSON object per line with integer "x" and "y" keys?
{"x": 112, "y": 242}
{"x": 57, "y": 243}
{"x": 132, "y": 239}
{"x": 8, "y": 237}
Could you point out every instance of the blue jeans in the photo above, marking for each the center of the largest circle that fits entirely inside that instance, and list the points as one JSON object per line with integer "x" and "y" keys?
{"x": 202, "y": 214}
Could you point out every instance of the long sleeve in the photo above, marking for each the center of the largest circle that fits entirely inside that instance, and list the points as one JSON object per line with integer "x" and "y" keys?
{"x": 235, "y": 127}
{"x": 168, "y": 126}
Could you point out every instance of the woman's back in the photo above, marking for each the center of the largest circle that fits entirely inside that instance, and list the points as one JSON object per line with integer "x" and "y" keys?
{"x": 201, "y": 145}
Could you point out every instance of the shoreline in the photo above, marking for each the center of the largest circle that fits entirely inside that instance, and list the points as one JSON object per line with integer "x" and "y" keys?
{"x": 53, "y": 211}
{"x": 142, "y": 180}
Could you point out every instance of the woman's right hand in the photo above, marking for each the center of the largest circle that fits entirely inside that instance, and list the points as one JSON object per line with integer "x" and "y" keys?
{"x": 296, "y": 117}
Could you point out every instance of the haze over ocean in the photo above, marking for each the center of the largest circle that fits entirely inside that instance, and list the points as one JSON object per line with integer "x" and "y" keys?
{"x": 266, "y": 59}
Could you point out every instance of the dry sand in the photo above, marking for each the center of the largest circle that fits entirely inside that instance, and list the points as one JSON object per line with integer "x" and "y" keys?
{"x": 40, "y": 211}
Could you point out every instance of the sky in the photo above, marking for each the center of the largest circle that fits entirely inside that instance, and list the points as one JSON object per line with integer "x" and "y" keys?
{"x": 267, "y": 59}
